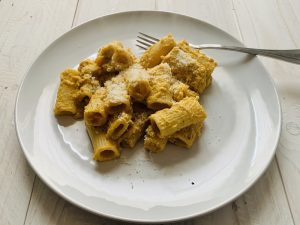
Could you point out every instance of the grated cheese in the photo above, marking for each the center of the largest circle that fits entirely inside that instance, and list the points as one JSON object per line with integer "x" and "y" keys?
{"x": 184, "y": 58}
{"x": 116, "y": 92}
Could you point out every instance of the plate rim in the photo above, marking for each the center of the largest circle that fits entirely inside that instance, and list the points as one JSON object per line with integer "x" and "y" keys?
{"x": 129, "y": 219}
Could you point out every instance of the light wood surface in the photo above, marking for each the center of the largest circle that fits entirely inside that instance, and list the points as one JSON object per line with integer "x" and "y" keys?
{"x": 27, "y": 27}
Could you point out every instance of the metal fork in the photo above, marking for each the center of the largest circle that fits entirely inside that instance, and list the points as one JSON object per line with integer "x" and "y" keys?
{"x": 291, "y": 55}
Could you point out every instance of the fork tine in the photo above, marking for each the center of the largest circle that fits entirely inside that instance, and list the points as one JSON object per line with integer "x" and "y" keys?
{"x": 148, "y": 36}
{"x": 147, "y": 40}
{"x": 144, "y": 43}
{"x": 141, "y": 47}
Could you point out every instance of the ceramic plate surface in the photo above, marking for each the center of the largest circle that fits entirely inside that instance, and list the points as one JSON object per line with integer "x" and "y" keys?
{"x": 238, "y": 142}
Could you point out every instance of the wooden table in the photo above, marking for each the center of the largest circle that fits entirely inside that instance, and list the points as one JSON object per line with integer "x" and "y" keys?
{"x": 27, "y": 27}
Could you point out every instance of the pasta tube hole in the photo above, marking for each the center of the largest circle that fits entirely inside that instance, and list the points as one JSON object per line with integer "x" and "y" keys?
{"x": 107, "y": 154}
{"x": 142, "y": 89}
{"x": 180, "y": 142}
{"x": 96, "y": 117}
{"x": 118, "y": 129}
{"x": 84, "y": 101}
{"x": 158, "y": 106}
{"x": 155, "y": 127}
{"x": 117, "y": 108}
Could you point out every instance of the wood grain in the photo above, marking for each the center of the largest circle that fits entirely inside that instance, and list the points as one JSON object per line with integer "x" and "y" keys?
{"x": 218, "y": 13}
{"x": 242, "y": 211}
{"x": 280, "y": 32}
{"x": 26, "y": 28}
{"x": 88, "y": 10}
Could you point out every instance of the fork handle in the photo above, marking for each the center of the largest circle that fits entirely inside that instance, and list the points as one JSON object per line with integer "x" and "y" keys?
{"x": 292, "y": 55}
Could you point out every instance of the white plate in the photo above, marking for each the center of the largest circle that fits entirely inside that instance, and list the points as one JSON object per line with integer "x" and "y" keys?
{"x": 238, "y": 141}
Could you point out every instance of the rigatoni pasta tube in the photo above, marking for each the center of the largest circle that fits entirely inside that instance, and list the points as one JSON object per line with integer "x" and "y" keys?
{"x": 161, "y": 69}
{"x": 113, "y": 57}
{"x": 135, "y": 130}
{"x": 89, "y": 66}
{"x": 88, "y": 87}
{"x": 186, "y": 136}
{"x": 95, "y": 113}
{"x": 118, "y": 125}
{"x": 208, "y": 63}
{"x": 184, "y": 113}
{"x": 117, "y": 98}
{"x": 190, "y": 67}
{"x": 160, "y": 96}
{"x": 104, "y": 148}
{"x": 69, "y": 85}
{"x": 137, "y": 82}
{"x": 180, "y": 90}
{"x": 153, "y": 55}
{"x": 152, "y": 142}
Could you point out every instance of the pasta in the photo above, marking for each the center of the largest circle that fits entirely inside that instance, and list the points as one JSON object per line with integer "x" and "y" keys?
{"x": 135, "y": 130}
{"x": 186, "y": 136}
{"x": 122, "y": 100}
{"x": 177, "y": 89}
{"x": 104, "y": 148}
{"x": 160, "y": 96}
{"x": 180, "y": 90}
{"x": 161, "y": 69}
{"x": 117, "y": 98}
{"x": 95, "y": 113}
{"x": 182, "y": 114}
{"x": 153, "y": 142}
{"x": 88, "y": 87}
{"x": 138, "y": 83}
{"x": 118, "y": 125}
{"x": 208, "y": 63}
{"x": 114, "y": 57}
{"x": 65, "y": 100}
{"x": 153, "y": 55}
{"x": 190, "y": 67}
{"x": 89, "y": 66}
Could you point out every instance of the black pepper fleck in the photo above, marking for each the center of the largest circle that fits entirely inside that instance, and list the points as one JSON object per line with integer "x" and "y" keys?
{"x": 193, "y": 183}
